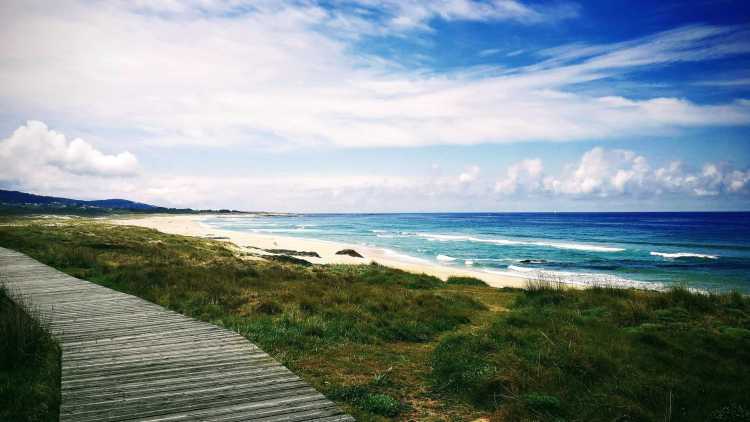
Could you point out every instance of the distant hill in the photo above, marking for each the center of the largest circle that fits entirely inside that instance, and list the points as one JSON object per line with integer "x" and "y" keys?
{"x": 9, "y": 197}
{"x": 15, "y": 203}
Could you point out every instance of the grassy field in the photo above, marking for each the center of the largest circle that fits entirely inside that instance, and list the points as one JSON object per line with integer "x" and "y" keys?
{"x": 29, "y": 365}
{"x": 386, "y": 344}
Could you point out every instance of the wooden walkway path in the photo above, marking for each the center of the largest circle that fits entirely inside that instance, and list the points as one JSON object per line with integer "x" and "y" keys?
{"x": 126, "y": 359}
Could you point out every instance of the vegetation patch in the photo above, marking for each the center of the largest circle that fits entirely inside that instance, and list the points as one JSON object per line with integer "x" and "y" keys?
{"x": 466, "y": 281}
{"x": 288, "y": 259}
{"x": 605, "y": 354}
{"x": 295, "y": 312}
{"x": 29, "y": 365}
{"x": 371, "y": 402}
{"x": 386, "y": 344}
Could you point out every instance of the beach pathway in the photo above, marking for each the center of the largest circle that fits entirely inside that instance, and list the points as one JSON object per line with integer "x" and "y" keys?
{"x": 126, "y": 359}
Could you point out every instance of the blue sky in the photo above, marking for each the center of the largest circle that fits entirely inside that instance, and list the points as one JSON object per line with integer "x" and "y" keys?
{"x": 379, "y": 105}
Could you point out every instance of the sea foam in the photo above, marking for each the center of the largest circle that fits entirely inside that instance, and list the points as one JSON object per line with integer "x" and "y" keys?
{"x": 558, "y": 245}
{"x": 295, "y": 230}
{"x": 683, "y": 255}
{"x": 579, "y": 279}
{"x": 403, "y": 257}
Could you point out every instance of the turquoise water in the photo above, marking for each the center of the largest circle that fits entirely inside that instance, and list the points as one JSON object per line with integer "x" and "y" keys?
{"x": 701, "y": 250}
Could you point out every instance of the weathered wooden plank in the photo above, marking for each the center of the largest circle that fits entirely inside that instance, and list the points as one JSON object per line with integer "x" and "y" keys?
{"x": 117, "y": 361}
{"x": 245, "y": 412}
{"x": 159, "y": 399}
{"x": 183, "y": 346}
{"x": 196, "y": 330}
{"x": 175, "y": 382}
{"x": 126, "y": 359}
{"x": 287, "y": 415}
{"x": 157, "y": 364}
{"x": 117, "y": 346}
{"x": 149, "y": 409}
{"x": 225, "y": 369}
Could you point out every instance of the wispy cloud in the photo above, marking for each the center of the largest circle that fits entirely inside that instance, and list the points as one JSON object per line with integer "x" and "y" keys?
{"x": 273, "y": 74}
{"x": 489, "y": 52}
{"x": 407, "y": 14}
{"x": 730, "y": 83}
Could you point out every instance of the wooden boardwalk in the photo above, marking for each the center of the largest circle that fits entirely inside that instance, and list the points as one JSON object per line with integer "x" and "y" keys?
{"x": 126, "y": 359}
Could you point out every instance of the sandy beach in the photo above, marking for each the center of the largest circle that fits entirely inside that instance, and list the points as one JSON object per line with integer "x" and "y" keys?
{"x": 190, "y": 225}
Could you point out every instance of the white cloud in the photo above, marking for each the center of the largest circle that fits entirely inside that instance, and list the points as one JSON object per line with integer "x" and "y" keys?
{"x": 603, "y": 173}
{"x": 35, "y": 157}
{"x": 689, "y": 43}
{"x": 525, "y": 176}
{"x": 725, "y": 83}
{"x": 408, "y": 14}
{"x": 489, "y": 52}
{"x": 600, "y": 174}
{"x": 469, "y": 175}
{"x": 43, "y": 161}
{"x": 280, "y": 74}
{"x": 712, "y": 179}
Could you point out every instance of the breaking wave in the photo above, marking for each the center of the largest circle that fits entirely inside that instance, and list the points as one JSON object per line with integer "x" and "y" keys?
{"x": 558, "y": 245}
{"x": 677, "y": 255}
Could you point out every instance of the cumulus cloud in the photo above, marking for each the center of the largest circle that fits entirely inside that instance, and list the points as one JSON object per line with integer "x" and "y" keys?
{"x": 469, "y": 175}
{"x": 524, "y": 176}
{"x": 35, "y": 157}
{"x": 599, "y": 174}
{"x": 602, "y": 173}
{"x": 280, "y": 74}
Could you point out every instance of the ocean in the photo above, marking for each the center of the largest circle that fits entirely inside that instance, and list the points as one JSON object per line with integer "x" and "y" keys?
{"x": 707, "y": 251}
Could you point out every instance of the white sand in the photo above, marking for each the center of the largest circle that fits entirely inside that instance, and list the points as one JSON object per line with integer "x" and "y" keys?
{"x": 190, "y": 225}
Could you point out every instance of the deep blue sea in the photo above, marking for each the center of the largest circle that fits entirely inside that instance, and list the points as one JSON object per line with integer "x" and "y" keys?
{"x": 709, "y": 251}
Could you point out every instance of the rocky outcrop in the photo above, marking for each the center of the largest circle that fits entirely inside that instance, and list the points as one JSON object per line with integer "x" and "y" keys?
{"x": 293, "y": 253}
{"x": 350, "y": 252}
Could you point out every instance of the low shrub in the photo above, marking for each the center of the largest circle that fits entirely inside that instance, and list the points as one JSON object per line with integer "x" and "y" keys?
{"x": 466, "y": 281}
{"x": 362, "y": 398}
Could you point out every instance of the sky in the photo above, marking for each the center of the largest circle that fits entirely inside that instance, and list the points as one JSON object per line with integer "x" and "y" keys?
{"x": 379, "y": 105}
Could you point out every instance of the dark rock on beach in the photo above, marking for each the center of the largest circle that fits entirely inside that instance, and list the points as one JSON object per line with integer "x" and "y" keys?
{"x": 293, "y": 253}
{"x": 350, "y": 252}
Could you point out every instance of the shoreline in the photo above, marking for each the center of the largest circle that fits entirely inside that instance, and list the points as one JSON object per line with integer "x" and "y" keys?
{"x": 190, "y": 225}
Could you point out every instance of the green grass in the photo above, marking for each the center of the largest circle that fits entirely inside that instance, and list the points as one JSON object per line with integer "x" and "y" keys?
{"x": 605, "y": 354}
{"x": 29, "y": 366}
{"x": 297, "y": 313}
{"x": 386, "y": 344}
{"x": 465, "y": 281}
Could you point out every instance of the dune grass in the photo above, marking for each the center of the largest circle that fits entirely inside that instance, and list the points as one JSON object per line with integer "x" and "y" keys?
{"x": 386, "y": 344}
{"x": 605, "y": 354}
{"x": 465, "y": 281}
{"x": 29, "y": 365}
{"x": 321, "y": 321}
